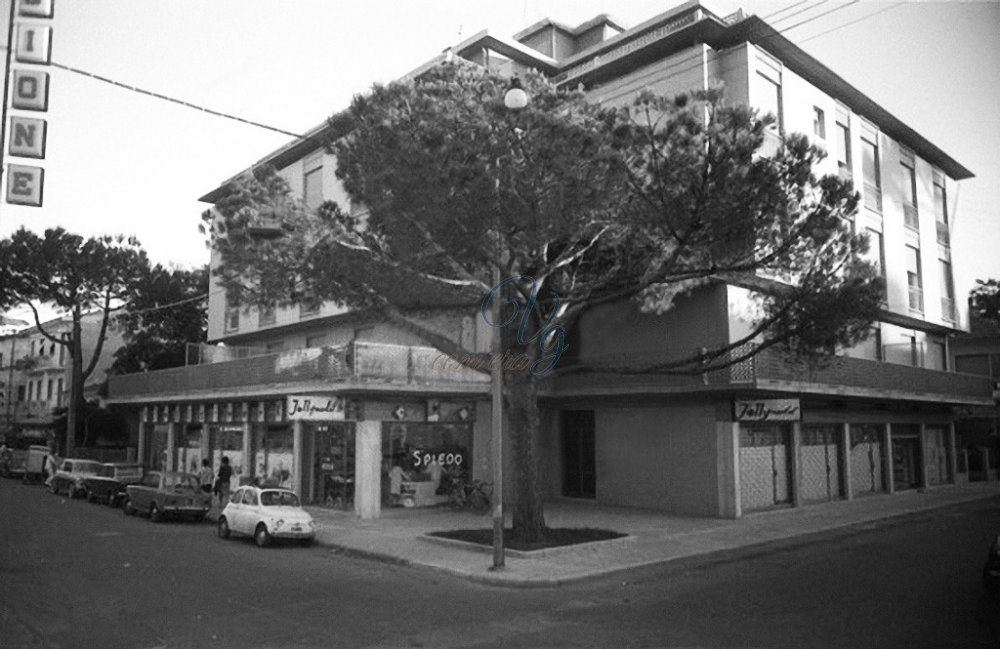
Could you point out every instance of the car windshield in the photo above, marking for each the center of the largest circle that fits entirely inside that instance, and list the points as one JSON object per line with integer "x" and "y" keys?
{"x": 89, "y": 468}
{"x": 180, "y": 482}
{"x": 279, "y": 499}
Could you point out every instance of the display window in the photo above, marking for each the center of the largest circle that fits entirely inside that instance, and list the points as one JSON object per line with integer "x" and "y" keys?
{"x": 189, "y": 450}
{"x": 422, "y": 461}
{"x": 333, "y": 466}
{"x": 274, "y": 457}
{"x": 228, "y": 441}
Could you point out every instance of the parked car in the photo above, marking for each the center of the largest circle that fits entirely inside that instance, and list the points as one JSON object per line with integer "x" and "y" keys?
{"x": 70, "y": 474}
{"x": 266, "y": 514}
{"x": 167, "y": 493}
{"x": 108, "y": 486}
{"x": 991, "y": 570}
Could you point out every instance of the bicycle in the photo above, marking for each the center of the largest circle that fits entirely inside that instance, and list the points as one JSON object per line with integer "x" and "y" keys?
{"x": 475, "y": 495}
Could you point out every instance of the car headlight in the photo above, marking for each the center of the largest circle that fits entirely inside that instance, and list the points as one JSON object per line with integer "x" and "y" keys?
{"x": 312, "y": 523}
{"x": 277, "y": 523}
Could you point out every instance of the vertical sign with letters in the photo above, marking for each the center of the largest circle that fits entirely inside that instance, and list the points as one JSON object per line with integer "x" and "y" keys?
{"x": 30, "y": 86}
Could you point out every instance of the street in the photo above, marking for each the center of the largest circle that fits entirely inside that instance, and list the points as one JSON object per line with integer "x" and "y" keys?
{"x": 75, "y": 574}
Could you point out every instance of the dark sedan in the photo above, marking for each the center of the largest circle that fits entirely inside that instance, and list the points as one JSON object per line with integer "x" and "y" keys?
{"x": 108, "y": 486}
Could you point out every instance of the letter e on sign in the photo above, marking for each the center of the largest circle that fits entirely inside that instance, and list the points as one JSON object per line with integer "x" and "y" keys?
{"x": 27, "y": 137}
{"x": 35, "y": 8}
{"x": 31, "y": 90}
{"x": 33, "y": 44}
{"x": 24, "y": 185}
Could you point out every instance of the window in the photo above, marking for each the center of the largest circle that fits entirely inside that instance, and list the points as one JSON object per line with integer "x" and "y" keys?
{"x": 308, "y": 310}
{"x": 31, "y": 391}
{"x": 32, "y": 348}
{"x": 910, "y": 214}
{"x": 62, "y": 355}
{"x": 871, "y": 174}
{"x": 819, "y": 123}
{"x": 48, "y": 390}
{"x": 941, "y": 210}
{"x": 947, "y": 292}
{"x": 20, "y": 393}
{"x": 59, "y": 392}
{"x": 913, "y": 280}
{"x": 769, "y": 100}
{"x": 312, "y": 185}
{"x": 876, "y": 255}
{"x": 842, "y": 144}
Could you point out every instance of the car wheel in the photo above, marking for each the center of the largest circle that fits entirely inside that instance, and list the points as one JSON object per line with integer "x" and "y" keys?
{"x": 223, "y": 528}
{"x": 306, "y": 542}
{"x": 261, "y": 536}
{"x": 70, "y": 491}
{"x": 155, "y": 514}
{"x": 128, "y": 508}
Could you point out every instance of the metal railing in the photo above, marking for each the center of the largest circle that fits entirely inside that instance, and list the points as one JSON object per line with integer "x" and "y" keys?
{"x": 911, "y": 217}
{"x": 872, "y": 197}
{"x": 948, "y": 309}
{"x": 943, "y": 233}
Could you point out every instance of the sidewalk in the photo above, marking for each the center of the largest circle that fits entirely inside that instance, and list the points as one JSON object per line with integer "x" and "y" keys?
{"x": 653, "y": 537}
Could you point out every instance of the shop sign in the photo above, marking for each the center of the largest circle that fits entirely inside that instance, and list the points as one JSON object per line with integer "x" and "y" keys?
{"x": 445, "y": 457}
{"x": 767, "y": 410}
{"x": 315, "y": 408}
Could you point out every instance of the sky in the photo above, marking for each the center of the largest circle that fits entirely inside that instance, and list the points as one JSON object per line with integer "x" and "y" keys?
{"x": 118, "y": 161}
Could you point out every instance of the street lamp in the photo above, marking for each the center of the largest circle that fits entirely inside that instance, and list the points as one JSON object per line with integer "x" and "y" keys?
{"x": 514, "y": 99}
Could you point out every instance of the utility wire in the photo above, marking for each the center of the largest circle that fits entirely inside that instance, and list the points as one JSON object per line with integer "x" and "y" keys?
{"x": 865, "y": 17}
{"x": 781, "y": 11}
{"x": 825, "y": 13}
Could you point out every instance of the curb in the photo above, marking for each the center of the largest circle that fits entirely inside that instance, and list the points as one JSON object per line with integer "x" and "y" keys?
{"x": 685, "y": 562}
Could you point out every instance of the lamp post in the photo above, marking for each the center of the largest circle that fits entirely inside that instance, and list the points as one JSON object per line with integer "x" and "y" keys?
{"x": 514, "y": 99}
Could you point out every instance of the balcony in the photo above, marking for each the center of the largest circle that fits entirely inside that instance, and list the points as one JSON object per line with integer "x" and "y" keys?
{"x": 872, "y": 197}
{"x": 943, "y": 235}
{"x": 911, "y": 218}
{"x": 948, "y": 312}
{"x": 857, "y": 377}
{"x": 357, "y": 366}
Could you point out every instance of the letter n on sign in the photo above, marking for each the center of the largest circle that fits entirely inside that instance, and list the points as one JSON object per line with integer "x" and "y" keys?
{"x": 24, "y": 185}
{"x": 27, "y": 137}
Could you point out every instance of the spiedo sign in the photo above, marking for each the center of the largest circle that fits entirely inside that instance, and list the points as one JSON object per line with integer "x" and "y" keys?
{"x": 767, "y": 410}
{"x": 312, "y": 407}
{"x": 30, "y": 92}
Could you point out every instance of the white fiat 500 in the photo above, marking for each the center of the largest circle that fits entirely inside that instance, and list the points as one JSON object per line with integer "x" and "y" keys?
{"x": 266, "y": 515}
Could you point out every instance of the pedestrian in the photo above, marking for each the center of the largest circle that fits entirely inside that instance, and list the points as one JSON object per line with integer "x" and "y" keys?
{"x": 205, "y": 476}
{"x": 222, "y": 483}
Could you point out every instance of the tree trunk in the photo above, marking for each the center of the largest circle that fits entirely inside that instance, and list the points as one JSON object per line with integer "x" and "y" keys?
{"x": 74, "y": 408}
{"x": 524, "y": 422}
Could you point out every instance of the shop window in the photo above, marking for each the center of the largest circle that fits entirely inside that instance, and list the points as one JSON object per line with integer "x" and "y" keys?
{"x": 274, "y": 460}
{"x": 434, "y": 457}
{"x": 333, "y": 468}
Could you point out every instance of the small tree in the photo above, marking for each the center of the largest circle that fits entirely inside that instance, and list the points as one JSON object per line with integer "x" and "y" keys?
{"x": 166, "y": 311}
{"x": 985, "y": 300}
{"x": 579, "y": 205}
{"x": 76, "y": 276}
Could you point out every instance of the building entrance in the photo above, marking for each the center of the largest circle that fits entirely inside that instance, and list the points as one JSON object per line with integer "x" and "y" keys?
{"x": 765, "y": 465}
{"x": 578, "y": 451}
{"x": 906, "y": 457}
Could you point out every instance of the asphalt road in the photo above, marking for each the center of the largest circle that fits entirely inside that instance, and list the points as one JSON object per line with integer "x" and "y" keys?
{"x": 73, "y": 574}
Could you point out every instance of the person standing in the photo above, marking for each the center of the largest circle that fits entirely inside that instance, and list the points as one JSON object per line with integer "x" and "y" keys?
{"x": 222, "y": 483}
{"x": 205, "y": 476}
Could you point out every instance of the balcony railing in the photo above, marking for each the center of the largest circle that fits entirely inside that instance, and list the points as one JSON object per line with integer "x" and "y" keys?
{"x": 948, "y": 309}
{"x": 943, "y": 235}
{"x": 873, "y": 197}
{"x": 911, "y": 218}
{"x": 842, "y": 372}
{"x": 916, "y": 298}
{"x": 370, "y": 363}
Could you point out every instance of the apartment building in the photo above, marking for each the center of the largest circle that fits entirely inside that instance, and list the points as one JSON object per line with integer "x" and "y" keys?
{"x": 35, "y": 373}
{"x": 324, "y": 399}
